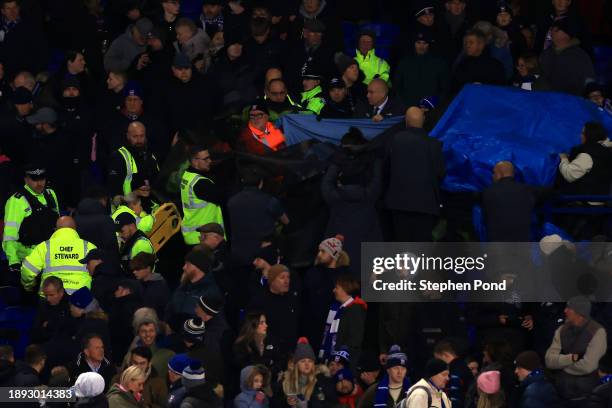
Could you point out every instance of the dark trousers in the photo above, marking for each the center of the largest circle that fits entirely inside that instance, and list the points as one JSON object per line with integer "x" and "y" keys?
{"x": 413, "y": 226}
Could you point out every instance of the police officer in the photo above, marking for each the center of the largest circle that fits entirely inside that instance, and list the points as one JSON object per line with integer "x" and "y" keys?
{"x": 134, "y": 240}
{"x": 58, "y": 256}
{"x": 29, "y": 216}
{"x": 312, "y": 97}
{"x": 131, "y": 159}
{"x": 200, "y": 197}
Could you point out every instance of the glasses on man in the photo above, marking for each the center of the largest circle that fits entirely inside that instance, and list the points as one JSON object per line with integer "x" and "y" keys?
{"x": 256, "y": 115}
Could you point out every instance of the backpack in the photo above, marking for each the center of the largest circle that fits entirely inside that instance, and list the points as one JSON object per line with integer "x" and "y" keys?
{"x": 402, "y": 403}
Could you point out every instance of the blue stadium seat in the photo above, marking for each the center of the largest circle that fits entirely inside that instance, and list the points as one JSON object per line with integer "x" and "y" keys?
{"x": 386, "y": 34}
{"x": 15, "y": 323}
{"x": 56, "y": 59}
{"x": 191, "y": 8}
{"x": 603, "y": 64}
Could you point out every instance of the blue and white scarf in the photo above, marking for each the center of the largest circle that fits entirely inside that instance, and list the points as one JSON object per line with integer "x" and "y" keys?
{"x": 331, "y": 329}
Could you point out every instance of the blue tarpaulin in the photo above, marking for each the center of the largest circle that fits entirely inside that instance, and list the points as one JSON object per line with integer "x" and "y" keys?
{"x": 298, "y": 128}
{"x": 486, "y": 124}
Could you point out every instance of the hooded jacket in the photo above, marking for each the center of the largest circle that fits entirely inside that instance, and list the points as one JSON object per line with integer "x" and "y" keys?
{"x": 122, "y": 52}
{"x": 537, "y": 392}
{"x": 249, "y": 397}
{"x": 196, "y": 48}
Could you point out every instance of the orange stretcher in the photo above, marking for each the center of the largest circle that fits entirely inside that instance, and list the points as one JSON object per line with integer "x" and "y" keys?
{"x": 167, "y": 223}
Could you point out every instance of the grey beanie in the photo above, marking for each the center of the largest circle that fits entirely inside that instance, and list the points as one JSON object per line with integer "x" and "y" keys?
{"x": 303, "y": 350}
{"x": 580, "y": 305}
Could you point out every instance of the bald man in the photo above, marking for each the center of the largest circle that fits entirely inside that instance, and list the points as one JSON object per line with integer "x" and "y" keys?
{"x": 508, "y": 206}
{"x": 416, "y": 170}
{"x": 131, "y": 158}
{"x": 58, "y": 256}
{"x": 379, "y": 104}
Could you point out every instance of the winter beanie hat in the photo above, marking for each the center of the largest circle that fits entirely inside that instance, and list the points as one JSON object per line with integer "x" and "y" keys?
{"x": 529, "y": 360}
{"x": 341, "y": 356}
{"x": 434, "y": 367}
{"x": 193, "y": 330}
{"x": 193, "y": 375}
{"x": 89, "y": 385}
{"x": 580, "y": 305}
{"x": 83, "y": 299}
{"x": 332, "y": 246}
{"x": 178, "y": 363}
{"x": 303, "y": 350}
{"x": 276, "y": 270}
{"x": 395, "y": 357}
{"x": 489, "y": 382}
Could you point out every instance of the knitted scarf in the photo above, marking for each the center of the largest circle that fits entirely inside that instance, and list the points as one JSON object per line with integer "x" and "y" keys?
{"x": 382, "y": 391}
{"x": 332, "y": 324}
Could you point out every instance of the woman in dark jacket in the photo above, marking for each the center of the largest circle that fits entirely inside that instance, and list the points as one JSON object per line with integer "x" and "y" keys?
{"x": 253, "y": 346}
{"x": 350, "y": 188}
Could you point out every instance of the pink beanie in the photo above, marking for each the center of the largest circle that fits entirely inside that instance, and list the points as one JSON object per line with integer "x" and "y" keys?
{"x": 489, "y": 382}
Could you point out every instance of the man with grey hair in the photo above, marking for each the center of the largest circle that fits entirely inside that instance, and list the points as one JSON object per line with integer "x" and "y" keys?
{"x": 379, "y": 105}
{"x": 508, "y": 206}
{"x": 576, "y": 349}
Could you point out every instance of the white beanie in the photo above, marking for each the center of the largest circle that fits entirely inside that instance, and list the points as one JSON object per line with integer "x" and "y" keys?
{"x": 89, "y": 384}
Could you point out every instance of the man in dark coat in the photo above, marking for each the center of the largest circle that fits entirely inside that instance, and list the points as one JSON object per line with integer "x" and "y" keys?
{"x": 318, "y": 10}
{"x": 380, "y": 104}
{"x": 416, "y": 169}
{"x": 421, "y": 74}
{"x": 313, "y": 52}
{"x": 189, "y": 99}
{"x": 53, "y": 325}
{"x": 262, "y": 49}
{"x": 28, "y": 374}
{"x": 565, "y": 66}
{"x": 50, "y": 145}
{"x": 196, "y": 281}
{"x": 219, "y": 337}
{"x": 476, "y": 66}
{"x": 253, "y": 214}
{"x": 93, "y": 221}
{"x": 508, "y": 206}
{"x": 105, "y": 271}
{"x": 14, "y": 129}
{"x": 155, "y": 292}
{"x": 536, "y": 391}
{"x": 92, "y": 358}
{"x": 23, "y": 46}
{"x": 455, "y": 22}
{"x": 280, "y": 306}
